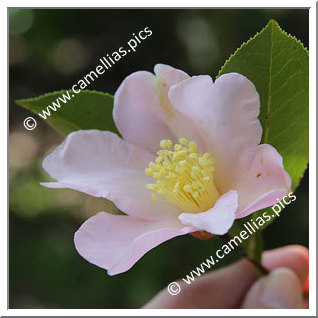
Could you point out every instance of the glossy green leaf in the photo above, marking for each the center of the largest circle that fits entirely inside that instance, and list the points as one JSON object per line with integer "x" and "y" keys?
{"x": 278, "y": 65}
{"x": 86, "y": 110}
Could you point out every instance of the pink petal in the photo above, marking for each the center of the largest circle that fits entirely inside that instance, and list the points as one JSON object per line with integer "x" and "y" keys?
{"x": 103, "y": 165}
{"x": 263, "y": 183}
{"x": 219, "y": 219}
{"x": 117, "y": 242}
{"x": 170, "y": 75}
{"x": 143, "y": 113}
{"x": 227, "y": 111}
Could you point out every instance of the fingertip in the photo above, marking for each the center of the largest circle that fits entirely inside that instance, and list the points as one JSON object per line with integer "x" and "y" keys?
{"x": 294, "y": 257}
{"x": 280, "y": 289}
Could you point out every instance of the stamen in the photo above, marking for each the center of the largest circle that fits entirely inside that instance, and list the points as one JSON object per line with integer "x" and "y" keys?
{"x": 183, "y": 176}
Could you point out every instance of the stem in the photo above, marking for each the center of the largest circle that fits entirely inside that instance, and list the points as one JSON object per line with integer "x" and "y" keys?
{"x": 261, "y": 269}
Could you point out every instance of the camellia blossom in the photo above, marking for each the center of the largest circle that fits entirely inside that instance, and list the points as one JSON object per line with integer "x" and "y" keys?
{"x": 189, "y": 161}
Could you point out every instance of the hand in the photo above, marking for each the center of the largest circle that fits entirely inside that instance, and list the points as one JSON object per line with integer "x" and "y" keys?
{"x": 237, "y": 286}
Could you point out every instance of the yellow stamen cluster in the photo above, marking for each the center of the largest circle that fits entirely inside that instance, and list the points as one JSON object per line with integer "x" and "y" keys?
{"x": 183, "y": 176}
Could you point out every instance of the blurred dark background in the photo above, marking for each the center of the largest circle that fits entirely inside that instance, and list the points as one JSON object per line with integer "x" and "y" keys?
{"x": 51, "y": 50}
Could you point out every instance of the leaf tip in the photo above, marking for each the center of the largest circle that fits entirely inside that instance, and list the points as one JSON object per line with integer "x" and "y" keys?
{"x": 19, "y": 102}
{"x": 272, "y": 21}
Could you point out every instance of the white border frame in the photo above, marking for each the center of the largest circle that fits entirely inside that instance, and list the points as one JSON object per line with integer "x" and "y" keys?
{"x": 312, "y": 156}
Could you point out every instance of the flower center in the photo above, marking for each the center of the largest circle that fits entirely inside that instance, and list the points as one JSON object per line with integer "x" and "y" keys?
{"x": 183, "y": 176}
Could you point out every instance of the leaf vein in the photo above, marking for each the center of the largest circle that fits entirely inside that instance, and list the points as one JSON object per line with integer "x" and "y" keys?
{"x": 269, "y": 96}
{"x": 287, "y": 101}
{"x": 286, "y": 81}
{"x": 283, "y": 67}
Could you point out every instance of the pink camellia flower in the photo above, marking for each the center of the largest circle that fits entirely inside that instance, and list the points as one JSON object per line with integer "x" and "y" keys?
{"x": 189, "y": 161}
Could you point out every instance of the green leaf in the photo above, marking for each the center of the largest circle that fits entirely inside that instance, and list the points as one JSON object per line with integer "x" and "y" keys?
{"x": 86, "y": 110}
{"x": 278, "y": 65}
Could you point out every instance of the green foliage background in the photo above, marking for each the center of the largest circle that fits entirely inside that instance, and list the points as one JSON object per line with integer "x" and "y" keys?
{"x": 50, "y": 50}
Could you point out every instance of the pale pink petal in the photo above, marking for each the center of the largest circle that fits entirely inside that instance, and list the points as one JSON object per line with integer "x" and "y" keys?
{"x": 263, "y": 183}
{"x": 171, "y": 76}
{"x": 117, "y": 242}
{"x": 103, "y": 165}
{"x": 219, "y": 219}
{"x": 227, "y": 111}
{"x": 143, "y": 113}
{"x": 263, "y": 201}
{"x": 193, "y": 97}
